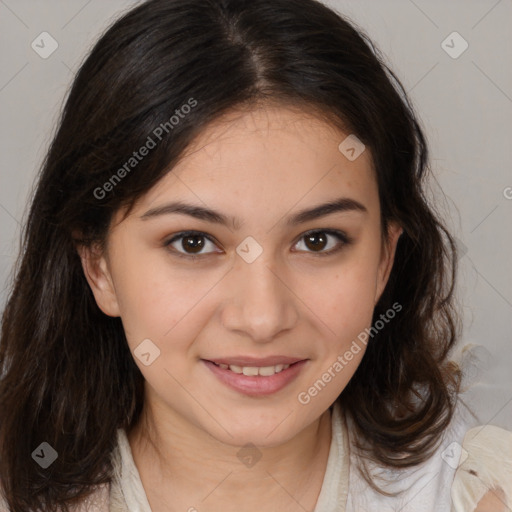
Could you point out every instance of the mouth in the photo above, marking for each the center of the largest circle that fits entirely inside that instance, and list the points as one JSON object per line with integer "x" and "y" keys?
{"x": 256, "y": 377}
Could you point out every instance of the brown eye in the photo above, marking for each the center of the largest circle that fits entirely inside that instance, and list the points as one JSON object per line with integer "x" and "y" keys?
{"x": 323, "y": 242}
{"x": 316, "y": 241}
{"x": 192, "y": 244}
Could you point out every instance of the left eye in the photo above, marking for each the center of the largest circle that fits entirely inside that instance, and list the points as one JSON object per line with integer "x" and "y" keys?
{"x": 191, "y": 243}
{"x": 322, "y": 241}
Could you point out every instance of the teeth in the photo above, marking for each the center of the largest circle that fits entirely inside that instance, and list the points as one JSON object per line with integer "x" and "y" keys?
{"x": 267, "y": 370}
{"x": 252, "y": 371}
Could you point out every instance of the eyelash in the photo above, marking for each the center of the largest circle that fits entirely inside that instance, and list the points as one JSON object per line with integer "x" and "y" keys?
{"x": 342, "y": 237}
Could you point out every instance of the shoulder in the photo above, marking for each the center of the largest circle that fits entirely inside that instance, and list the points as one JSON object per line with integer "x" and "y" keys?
{"x": 441, "y": 482}
{"x": 483, "y": 480}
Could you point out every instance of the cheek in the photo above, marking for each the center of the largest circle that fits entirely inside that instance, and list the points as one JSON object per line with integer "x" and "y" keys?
{"x": 160, "y": 301}
{"x": 146, "y": 296}
{"x": 344, "y": 298}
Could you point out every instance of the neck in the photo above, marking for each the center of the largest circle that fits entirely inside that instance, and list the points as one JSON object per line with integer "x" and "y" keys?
{"x": 182, "y": 465}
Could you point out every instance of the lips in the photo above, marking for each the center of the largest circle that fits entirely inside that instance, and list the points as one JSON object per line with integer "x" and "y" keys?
{"x": 256, "y": 380}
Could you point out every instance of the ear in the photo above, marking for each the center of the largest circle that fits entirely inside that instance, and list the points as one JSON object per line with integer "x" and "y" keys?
{"x": 387, "y": 257}
{"x": 97, "y": 273}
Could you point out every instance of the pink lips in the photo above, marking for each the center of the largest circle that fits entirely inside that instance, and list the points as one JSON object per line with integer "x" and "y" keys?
{"x": 256, "y": 385}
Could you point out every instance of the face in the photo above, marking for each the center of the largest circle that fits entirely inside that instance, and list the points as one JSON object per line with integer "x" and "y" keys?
{"x": 249, "y": 276}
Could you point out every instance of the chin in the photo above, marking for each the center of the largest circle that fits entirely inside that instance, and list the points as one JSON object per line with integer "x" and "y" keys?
{"x": 265, "y": 433}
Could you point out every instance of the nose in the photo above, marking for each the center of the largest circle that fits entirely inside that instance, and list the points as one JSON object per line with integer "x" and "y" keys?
{"x": 261, "y": 303}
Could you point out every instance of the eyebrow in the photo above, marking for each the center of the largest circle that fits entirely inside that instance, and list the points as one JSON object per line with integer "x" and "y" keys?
{"x": 342, "y": 204}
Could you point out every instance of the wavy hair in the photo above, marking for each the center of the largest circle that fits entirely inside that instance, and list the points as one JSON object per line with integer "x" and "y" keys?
{"x": 67, "y": 376}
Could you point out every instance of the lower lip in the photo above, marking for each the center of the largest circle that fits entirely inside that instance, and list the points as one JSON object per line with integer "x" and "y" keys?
{"x": 256, "y": 385}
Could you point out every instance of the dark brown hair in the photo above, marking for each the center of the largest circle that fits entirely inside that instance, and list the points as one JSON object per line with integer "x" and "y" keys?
{"x": 67, "y": 375}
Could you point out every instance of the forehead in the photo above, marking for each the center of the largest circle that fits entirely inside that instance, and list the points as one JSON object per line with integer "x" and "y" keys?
{"x": 285, "y": 134}
{"x": 269, "y": 157}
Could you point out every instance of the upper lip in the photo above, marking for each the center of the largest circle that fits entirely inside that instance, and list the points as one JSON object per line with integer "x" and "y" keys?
{"x": 256, "y": 361}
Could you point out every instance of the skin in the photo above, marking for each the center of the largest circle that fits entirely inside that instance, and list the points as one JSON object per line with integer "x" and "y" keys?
{"x": 493, "y": 501}
{"x": 260, "y": 166}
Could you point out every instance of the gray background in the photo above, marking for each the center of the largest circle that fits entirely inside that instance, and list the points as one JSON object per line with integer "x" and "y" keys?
{"x": 465, "y": 104}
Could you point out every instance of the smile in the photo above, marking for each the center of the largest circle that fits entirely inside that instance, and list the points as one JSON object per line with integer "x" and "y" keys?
{"x": 255, "y": 380}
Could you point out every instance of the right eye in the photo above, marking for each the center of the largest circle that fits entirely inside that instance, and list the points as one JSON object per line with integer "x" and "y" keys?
{"x": 191, "y": 244}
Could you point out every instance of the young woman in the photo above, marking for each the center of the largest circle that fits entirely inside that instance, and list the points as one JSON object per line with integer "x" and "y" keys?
{"x": 233, "y": 294}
